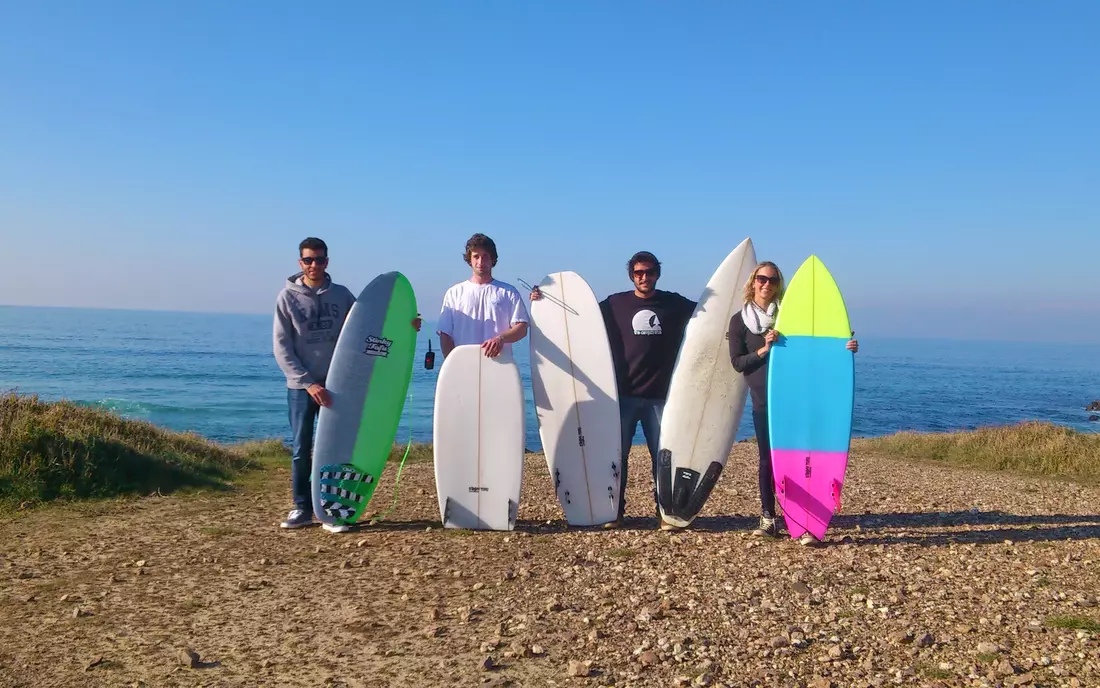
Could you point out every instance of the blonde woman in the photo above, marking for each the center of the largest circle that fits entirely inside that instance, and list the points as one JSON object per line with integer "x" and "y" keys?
{"x": 751, "y": 337}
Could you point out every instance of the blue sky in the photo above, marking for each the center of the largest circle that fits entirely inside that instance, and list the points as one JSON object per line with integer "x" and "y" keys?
{"x": 940, "y": 157}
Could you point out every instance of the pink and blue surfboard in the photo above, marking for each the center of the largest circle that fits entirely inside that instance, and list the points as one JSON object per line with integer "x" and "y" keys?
{"x": 811, "y": 387}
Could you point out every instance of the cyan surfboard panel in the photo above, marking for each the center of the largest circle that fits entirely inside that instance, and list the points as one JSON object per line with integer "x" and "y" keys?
{"x": 811, "y": 382}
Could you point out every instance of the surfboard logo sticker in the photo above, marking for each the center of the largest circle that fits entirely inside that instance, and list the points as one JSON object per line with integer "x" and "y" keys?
{"x": 377, "y": 346}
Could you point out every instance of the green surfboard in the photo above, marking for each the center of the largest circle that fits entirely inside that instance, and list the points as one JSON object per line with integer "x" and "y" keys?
{"x": 367, "y": 380}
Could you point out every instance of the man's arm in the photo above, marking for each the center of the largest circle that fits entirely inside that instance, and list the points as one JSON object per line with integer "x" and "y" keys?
{"x": 689, "y": 307}
{"x": 519, "y": 320}
{"x": 492, "y": 346}
{"x": 446, "y": 344}
{"x": 283, "y": 344}
{"x": 514, "y": 333}
{"x": 445, "y": 330}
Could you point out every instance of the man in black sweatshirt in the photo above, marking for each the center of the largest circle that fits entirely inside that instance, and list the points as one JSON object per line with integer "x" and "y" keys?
{"x": 645, "y": 328}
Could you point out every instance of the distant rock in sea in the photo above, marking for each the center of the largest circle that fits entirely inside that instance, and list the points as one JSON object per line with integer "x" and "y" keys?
{"x": 1094, "y": 406}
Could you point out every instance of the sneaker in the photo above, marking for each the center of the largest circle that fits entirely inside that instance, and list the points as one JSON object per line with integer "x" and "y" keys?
{"x": 768, "y": 528}
{"x": 666, "y": 526}
{"x": 336, "y": 527}
{"x": 617, "y": 523}
{"x": 297, "y": 519}
{"x": 807, "y": 539}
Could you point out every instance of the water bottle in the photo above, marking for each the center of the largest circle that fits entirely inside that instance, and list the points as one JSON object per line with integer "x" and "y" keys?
{"x": 429, "y": 358}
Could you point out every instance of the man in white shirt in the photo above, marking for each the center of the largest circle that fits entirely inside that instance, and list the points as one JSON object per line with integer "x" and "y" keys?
{"x": 482, "y": 310}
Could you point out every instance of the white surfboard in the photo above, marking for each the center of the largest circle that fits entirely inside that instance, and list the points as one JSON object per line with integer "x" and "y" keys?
{"x": 576, "y": 400}
{"x": 706, "y": 396}
{"x": 478, "y": 440}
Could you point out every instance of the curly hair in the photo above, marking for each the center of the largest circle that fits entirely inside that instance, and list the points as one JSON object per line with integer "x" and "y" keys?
{"x": 643, "y": 257}
{"x": 480, "y": 241}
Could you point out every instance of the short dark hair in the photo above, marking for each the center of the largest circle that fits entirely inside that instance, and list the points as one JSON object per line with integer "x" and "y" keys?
{"x": 481, "y": 241}
{"x": 642, "y": 257}
{"x": 312, "y": 243}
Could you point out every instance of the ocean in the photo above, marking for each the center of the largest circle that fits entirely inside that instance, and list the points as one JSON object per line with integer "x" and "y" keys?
{"x": 214, "y": 374}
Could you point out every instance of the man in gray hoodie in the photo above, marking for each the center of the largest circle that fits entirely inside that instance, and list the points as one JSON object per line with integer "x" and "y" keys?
{"x": 309, "y": 314}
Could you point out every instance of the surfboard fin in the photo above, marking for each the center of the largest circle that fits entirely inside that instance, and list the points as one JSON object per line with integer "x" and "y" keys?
{"x": 664, "y": 481}
{"x": 446, "y": 511}
{"x": 702, "y": 491}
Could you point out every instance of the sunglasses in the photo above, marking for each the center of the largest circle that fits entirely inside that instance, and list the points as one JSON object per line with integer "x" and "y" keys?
{"x": 643, "y": 273}
{"x": 764, "y": 279}
{"x": 310, "y": 260}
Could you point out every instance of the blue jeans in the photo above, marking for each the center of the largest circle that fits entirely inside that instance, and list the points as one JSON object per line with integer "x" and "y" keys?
{"x": 634, "y": 410}
{"x": 303, "y": 415}
{"x": 764, "y": 473}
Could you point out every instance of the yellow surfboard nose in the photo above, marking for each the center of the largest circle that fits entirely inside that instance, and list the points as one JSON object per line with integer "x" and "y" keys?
{"x": 812, "y": 305}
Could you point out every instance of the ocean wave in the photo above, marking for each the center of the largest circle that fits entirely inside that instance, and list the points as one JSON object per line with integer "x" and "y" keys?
{"x": 146, "y": 410}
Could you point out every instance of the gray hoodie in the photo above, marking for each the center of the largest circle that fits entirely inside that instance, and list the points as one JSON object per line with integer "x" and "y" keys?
{"x": 307, "y": 323}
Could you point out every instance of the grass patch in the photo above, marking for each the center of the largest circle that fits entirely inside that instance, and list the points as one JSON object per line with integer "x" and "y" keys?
{"x": 217, "y": 531}
{"x": 1033, "y": 448}
{"x": 988, "y": 657}
{"x": 419, "y": 452}
{"x": 66, "y": 451}
{"x": 1081, "y": 623}
{"x": 861, "y": 590}
{"x": 935, "y": 672}
{"x": 261, "y": 449}
{"x": 621, "y": 553}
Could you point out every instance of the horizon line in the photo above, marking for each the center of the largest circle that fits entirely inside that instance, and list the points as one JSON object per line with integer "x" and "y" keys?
{"x": 177, "y": 311}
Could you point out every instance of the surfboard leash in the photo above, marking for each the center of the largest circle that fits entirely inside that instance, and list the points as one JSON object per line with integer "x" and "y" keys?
{"x": 397, "y": 480}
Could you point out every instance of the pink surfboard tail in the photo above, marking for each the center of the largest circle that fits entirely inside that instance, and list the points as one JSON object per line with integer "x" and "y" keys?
{"x": 808, "y": 487}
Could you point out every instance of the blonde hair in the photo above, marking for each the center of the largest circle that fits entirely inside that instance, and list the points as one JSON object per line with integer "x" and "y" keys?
{"x": 750, "y": 286}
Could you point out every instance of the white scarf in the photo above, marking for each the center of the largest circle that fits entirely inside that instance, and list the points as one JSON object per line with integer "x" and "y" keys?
{"x": 758, "y": 320}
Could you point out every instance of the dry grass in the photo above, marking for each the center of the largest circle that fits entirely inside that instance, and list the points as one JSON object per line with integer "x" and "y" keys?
{"x": 53, "y": 451}
{"x": 1033, "y": 448}
{"x": 1074, "y": 623}
{"x": 62, "y": 450}
{"x": 418, "y": 453}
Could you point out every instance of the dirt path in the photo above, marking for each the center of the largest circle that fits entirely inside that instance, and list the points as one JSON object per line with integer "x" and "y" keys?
{"x": 932, "y": 576}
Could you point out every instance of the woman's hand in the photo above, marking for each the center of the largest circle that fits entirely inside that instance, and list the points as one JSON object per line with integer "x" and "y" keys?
{"x": 769, "y": 338}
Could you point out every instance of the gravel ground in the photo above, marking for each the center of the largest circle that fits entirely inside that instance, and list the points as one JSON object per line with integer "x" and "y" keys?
{"x": 931, "y": 576}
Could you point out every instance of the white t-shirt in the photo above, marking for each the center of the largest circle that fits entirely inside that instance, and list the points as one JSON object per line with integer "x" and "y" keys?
{"x": 475, "y": 313}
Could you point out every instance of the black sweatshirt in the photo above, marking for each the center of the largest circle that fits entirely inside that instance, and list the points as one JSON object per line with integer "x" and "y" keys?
{"x": 645, "y": 337}
{"x": 743, "y": 348}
